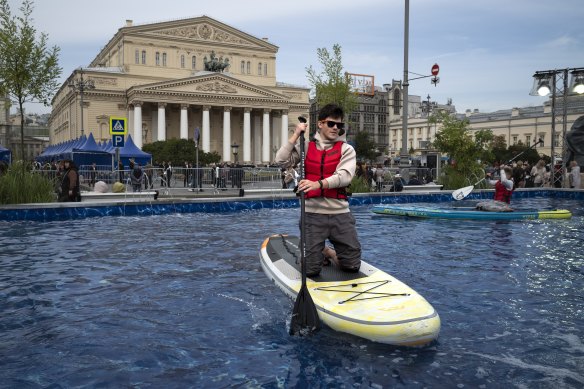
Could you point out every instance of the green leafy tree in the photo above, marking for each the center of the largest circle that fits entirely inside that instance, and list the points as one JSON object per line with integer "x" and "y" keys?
{"x": 455, "y": 140}
{"x": 365, "y": 147}
{"x": 332, "y": 84}
{"x": 178, "y": 151}
{"x": 29, "y": 69}
{"x": 499, "y": 148}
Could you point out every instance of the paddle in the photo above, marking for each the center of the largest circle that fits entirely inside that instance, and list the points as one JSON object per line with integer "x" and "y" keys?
{"x": 305, "y": 318}
{"x": 461, "y": 193}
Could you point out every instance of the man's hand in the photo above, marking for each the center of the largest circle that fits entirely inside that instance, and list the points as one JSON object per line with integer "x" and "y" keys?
{"x": 307, "y": 185}
{"x": 300, "y": 128}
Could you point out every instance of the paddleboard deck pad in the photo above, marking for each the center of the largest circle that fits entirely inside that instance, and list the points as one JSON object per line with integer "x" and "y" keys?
{"x": 370, "y": 304}
{"x": 469, "y": 213}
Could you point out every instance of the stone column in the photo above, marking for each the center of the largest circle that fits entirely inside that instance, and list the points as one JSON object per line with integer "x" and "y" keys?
{"x": 247, "y": 135}
{"x": 184, "y": 121}
{"x": 266, "y": 136}
{"x": 206, "y": 129}
{"x": 227, "y": 134}
{"x": 284, "y": 129}
{"x": 162, "y": 121}
{"x": 138, "y": 124}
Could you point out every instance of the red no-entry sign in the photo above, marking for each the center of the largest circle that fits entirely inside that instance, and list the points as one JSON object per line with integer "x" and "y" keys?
{"x": 435, "y": 69}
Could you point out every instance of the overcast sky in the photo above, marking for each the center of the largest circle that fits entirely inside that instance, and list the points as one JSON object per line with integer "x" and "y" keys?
{"x": 487, "y": 50}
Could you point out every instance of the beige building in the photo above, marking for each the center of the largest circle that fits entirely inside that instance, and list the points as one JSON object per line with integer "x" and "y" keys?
{"x": 160, "y": 77}
{"x": 525, "y": 125}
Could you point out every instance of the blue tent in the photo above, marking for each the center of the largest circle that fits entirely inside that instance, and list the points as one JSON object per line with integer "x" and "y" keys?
{"x": 90, "y": 152}
{"x": 5, "y": 155}
{"x": 131, "y": 151}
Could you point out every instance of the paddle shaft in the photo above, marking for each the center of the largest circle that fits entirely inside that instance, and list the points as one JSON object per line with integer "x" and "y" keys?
{"x": 524, "y": 151}
{"x": 302, "y": 214}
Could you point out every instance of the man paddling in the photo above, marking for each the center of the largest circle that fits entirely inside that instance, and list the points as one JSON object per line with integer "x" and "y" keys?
{"x": 330, "y": 165}
{"x": 503, "y": 186}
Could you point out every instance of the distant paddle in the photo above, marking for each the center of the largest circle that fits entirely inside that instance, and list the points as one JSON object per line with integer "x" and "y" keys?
{"x": 305, "y": 318}
{"x": 461, "y": 193}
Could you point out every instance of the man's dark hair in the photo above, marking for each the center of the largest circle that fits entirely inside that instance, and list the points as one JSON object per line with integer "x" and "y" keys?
{"x": 331, "y": 110}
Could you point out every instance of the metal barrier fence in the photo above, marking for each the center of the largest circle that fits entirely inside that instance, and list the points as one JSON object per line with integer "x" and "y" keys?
{"x": 225, "y": 178}
{"x": 180, "y": 177}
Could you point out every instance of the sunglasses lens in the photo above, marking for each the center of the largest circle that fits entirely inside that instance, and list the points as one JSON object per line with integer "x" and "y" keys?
{"x": 331, "y": 124}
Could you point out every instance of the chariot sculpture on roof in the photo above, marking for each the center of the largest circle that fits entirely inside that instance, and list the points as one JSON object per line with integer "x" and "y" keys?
{"x": 215, "y": 64}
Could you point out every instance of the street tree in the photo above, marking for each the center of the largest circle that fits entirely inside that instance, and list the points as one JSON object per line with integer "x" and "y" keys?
{"x": 364, "y": 147}
{"x": 332, "y": 84}
{"x": 464, "y": 151}
{"x": 179, "y": 150}
{"x": 29, "y": 69}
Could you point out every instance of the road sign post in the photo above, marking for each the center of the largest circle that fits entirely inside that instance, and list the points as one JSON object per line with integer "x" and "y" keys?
{"x": 118, "y": 131}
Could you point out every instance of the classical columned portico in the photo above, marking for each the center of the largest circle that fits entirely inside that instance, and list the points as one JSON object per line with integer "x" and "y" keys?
{"x": 266, "y": 136}
{"x": 206, "y": 129}
{"x": 138, "y": 124}
{"x": 184, "y": 121}
{"x": 284, "y": 129}
{"x": 227, "y": 133}
{"x": 247, "y": 135}
{"x": 161, "y": 121}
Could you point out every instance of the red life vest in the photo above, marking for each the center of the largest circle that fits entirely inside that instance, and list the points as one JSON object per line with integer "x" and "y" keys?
{"x": 321, "y": 164}
{"x": 502, "y": 193}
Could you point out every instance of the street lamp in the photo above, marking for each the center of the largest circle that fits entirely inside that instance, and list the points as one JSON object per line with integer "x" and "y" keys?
{"x": 81, "y": 85}
{"x": 555, "y": 82}
{"x": 235, "y": 150}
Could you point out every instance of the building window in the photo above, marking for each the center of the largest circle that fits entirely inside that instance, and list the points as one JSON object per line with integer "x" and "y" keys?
{"x": 514, "y": 139}
{"x": 157, "y": 59}
{"x": 137, "y": 57}
{"x": 194, "y": 62}
{"x": 556, "y": 140}
{"x": 143, "y": 57}
{"x": 182, "y": 61}
{"x": 259, "y": 69}
{"x": 248, "y": 67}
{"x": 163, "y": 59}
{"x": 396, "y": 101}
{"x": 242, "y": 67}
{"x": 528, "y": 139}
{"x": 265, "y": 69}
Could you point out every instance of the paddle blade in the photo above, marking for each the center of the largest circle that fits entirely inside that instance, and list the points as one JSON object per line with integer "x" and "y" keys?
{"x": 305, "y": 318}
{"x": 461, "y": 193}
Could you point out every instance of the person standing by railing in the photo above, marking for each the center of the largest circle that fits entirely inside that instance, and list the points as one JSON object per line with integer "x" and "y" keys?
{"x": 69, "y": 190}
{"x": 92, "y": 174}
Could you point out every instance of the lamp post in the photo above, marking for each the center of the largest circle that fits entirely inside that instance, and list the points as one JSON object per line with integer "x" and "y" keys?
{"x": 555, "y": 82}
{"x": 235, "y": 151}
{"x": 81, "y": 85}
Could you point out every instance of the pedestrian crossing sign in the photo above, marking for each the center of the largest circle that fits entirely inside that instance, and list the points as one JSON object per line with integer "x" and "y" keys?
{"x": 118, "y": 126}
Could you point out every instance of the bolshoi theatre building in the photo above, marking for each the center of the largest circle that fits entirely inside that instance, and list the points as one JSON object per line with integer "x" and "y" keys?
{"x": 173, "y": 77}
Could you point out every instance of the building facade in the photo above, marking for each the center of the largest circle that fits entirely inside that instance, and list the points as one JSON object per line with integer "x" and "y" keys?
{"x": 160, "y": 76}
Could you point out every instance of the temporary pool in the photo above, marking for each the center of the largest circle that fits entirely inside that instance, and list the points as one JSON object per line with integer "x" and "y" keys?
{"x": 179, "y": 300}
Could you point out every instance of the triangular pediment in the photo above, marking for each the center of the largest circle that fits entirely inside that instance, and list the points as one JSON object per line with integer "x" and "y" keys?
{"x": 214, "y": 84}
{"x": 203, "y": 29}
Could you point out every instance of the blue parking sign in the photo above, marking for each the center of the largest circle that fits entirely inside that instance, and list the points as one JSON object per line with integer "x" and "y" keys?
{"x": 118, "y": 140}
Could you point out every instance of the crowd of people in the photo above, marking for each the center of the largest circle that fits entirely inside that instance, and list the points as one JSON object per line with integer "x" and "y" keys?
{"x": 540, "y": 174}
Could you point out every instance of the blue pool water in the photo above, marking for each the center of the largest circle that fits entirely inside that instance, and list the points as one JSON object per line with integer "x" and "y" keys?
{"x": 179, "y": 301}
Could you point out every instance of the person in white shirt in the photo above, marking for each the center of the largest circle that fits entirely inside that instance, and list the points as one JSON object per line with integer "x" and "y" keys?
{"x": 574, "y": 175}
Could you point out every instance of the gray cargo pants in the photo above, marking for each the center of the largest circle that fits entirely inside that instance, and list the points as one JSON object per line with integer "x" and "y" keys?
{"x": 340, "y": 230}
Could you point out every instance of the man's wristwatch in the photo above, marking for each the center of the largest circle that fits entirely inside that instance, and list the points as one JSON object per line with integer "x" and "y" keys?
{"x": 320, "y": 183}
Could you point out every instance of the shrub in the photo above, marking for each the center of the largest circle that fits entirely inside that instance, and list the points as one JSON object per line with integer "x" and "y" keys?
{"x": 19, "y": 186}
{"x": 359, "y": 185}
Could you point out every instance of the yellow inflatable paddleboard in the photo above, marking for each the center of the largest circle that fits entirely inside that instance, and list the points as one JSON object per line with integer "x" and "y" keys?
{"x": 370, "y": 304}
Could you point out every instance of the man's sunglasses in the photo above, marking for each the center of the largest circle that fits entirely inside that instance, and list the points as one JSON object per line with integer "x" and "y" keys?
{"x": 331, "y": 124}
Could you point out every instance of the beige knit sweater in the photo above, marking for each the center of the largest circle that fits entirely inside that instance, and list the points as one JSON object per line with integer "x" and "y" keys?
{"x": 289, "y": 155}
